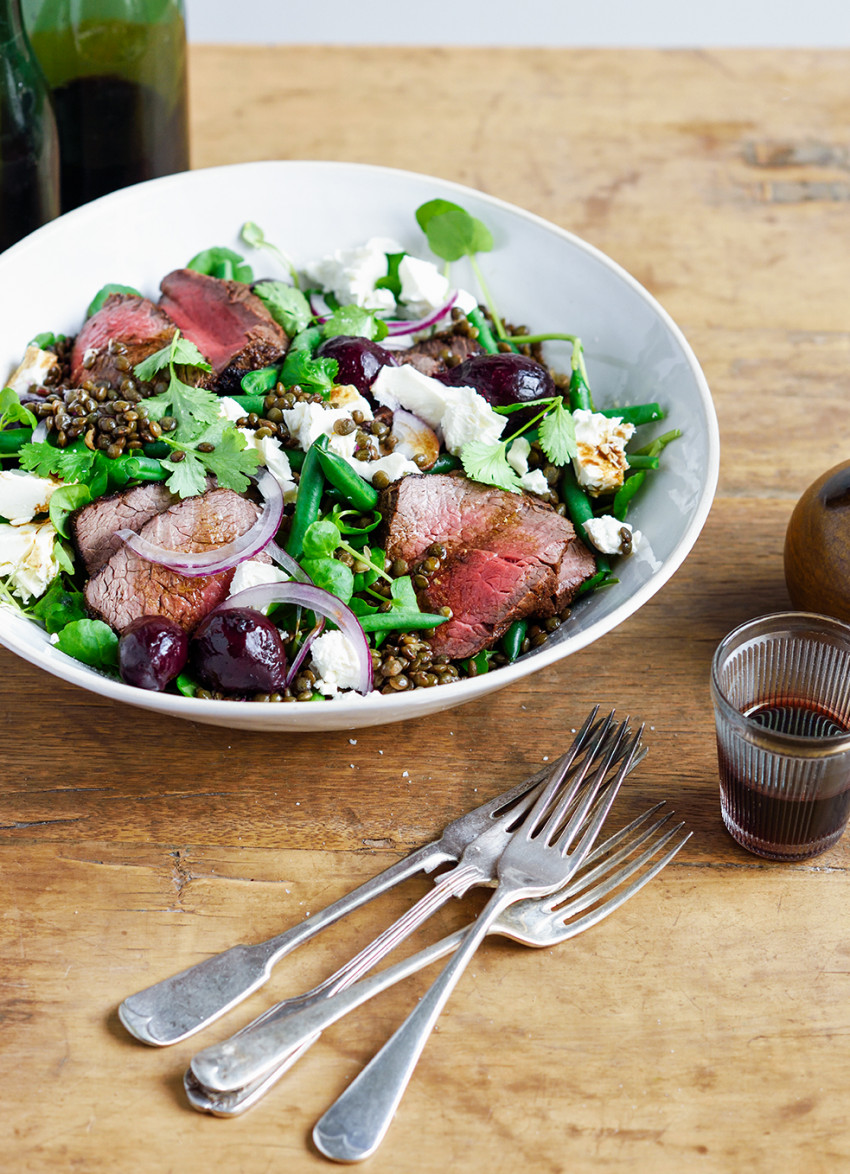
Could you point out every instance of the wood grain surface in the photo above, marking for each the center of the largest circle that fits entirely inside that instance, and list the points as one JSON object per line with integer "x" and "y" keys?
{"x": 704, "y": 1027}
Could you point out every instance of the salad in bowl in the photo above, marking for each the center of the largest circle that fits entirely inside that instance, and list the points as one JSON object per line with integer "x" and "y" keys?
{"x": 318, "y": 482}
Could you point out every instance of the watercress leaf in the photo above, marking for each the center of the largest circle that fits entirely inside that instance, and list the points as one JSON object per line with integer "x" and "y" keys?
{"x": 63, "y": 502}
{"x": 222, "y": 263}
{"x": 557, "y": 433}
{"x": 60, "y": 605}
{"x": 488, "y": 464}
{"x": 287, "y": 305}
{"x": 362, "y": 607}
{"x": 313, "y": 375}
{"x": 45, "y": 339}
{"x": 188, "y": 478}
{"x": 403, "y": 595}
{"x": 12, "y": 411}
{"x": 426, "y": 212}
{"x": 104, "y": 292}
{"x": 331, "y": 575}
{"x": 91, "y": 641}
{"x": 321, "y": 539}
{"x": 254, "y": 236}
{"x": 355, "y": 321}
{"x": 64, "y": 555}
{"x": 456, "y": 234}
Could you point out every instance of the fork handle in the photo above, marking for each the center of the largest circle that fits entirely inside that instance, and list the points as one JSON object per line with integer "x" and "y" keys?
{"x": 355, "y": 1124}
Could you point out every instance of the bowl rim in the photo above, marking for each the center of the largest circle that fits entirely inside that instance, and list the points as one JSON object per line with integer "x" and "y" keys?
{"x": 353, "y": 708}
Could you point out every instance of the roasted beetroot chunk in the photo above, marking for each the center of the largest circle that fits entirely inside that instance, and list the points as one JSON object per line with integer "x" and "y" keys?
{"x": 507, "y": 556}
{"x": 141, "y": 328}
{"x": 228, "y": 324}
{"x": 128, "y": 586}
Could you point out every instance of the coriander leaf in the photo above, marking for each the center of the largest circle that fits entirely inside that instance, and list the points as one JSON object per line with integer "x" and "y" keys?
{"x": 193, "y": 407}
{"x": 509, "y": 409}
{"x": 231, "y": 462}
{"x": 488, "y": 464}
{"x": 12, "y": 410}
{"x": 185, "y": 354}
{"x": 71, "y": 464}
{"x": 313, "y": 375}
{"x": 63, "y": 502}
{"x": 104, "y": 292}
{"x": 154, "y": 363}
{"x": 59, "y": 605}
{"x": 558, "y": 435}
{"x": 222, "y": 263}
{"x": 187, "y": 478}
{"x": 91, "y": 641}
{"x": 392, "y": 281}
{"x": 287, "y": 305}
{"x": 355, "y": 321}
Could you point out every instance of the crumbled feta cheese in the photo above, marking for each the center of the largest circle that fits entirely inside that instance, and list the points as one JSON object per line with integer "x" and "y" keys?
{"x": 23, "y": 495}
{"x": 394, "y": 464}
{"x": 535, "y": 482}
{"x": 424, "y": 289}
{"x": 611, "y": 536}
{"x": 32, "y": 369}
{"x": 253, "y": 573}
{"x": 601, "y": 441}
{"x": 405, "y": 387}
{"x": 350, "y": 274}
{"x": 27, "y": 558}
{"x": 468, "y": 416}
{"x": 307, "y": 422}
{"x": 460, "y": 413}
{"x": 336, "y": 663}
{"x": 517, "y": 455}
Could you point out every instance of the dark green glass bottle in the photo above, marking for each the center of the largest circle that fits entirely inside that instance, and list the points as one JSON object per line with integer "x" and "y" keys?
{"x": 29, "y": 151}
{"x": 117, "y": 74}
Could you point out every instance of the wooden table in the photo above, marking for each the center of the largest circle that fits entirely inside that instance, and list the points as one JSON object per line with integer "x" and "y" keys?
{"x": 704, "y": 1027}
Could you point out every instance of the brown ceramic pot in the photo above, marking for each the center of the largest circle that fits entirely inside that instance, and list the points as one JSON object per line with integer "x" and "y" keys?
{"x": 817, "y": 546}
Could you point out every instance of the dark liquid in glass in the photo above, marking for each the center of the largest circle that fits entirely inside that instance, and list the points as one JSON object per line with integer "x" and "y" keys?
{"x": 781, "y": 821}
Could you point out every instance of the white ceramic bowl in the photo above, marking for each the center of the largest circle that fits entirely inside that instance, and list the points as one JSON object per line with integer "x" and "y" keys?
{"x": 539, "y": 275}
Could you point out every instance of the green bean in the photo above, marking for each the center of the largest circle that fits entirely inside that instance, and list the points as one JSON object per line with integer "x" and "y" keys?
{"x": 144, "y": 469}
{"x": 602, "y": 577}
{"x": 579, "y": 395}
{"x": 575, "y": 499}
{"x": 444, "y": 463}
{"x": 624, "y": 495}
{"x": 385, "y": 621}
{"x": 346, "y": 480}
{"x": 641, "y": 461}
{"x": 308, "y": 502}
{"x": 13, "y": 439}
{"x": 636, "y": 413}
{"x": 513, "y": 638}
{"x": 256, "y": 382}
{"x": 158, "y": 449}
{"x": 485, "y": 334}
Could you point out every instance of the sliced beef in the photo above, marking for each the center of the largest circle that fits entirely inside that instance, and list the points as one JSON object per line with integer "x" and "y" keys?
{"x": 228, "y": 324}
{"x": 127, "y": 586}
{"x": 508, "y": 556}
{"x": 439, "y": 353}
{"x": 93, "y": 527}
{"x": 138, "y": 325}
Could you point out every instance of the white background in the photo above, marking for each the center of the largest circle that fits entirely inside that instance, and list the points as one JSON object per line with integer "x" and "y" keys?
{"x": 584, "y": 23}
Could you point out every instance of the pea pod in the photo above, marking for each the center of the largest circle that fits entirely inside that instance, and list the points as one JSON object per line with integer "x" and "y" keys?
{"x": 349, "y": 483}
{"x": 308, "y": 503}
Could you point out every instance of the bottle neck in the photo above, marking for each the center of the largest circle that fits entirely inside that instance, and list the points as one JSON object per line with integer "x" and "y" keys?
{"x": 11, "y": 21}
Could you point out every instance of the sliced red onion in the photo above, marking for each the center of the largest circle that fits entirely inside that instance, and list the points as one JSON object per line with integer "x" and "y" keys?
{"x": 399, "y": 327}
{"x": 300, "y": 656}
{"x": 223, "y": 558}
{"x": 39, "y": 433}
{"x": 323, "y": 604}
{"x": 287, "y": 563}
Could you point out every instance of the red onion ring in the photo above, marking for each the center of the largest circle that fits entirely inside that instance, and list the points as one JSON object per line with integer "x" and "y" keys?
{"x": 399, "y": 327}
{"x": 287, "y": 563}
{"x": 292, "y": 671}
{"x": 223, "y": 558}
{"x": 323, "y": 604}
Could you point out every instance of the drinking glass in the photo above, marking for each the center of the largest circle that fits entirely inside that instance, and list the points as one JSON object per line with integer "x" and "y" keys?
{"x": 781, "y": 691}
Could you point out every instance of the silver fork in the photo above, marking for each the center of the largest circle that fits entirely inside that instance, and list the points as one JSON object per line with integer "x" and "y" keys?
{"x": 542, "y": 856}
{"x": 178, "y": 1006}
{"x": 251, "y": 1052}
{"x": 537, "y": 922}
